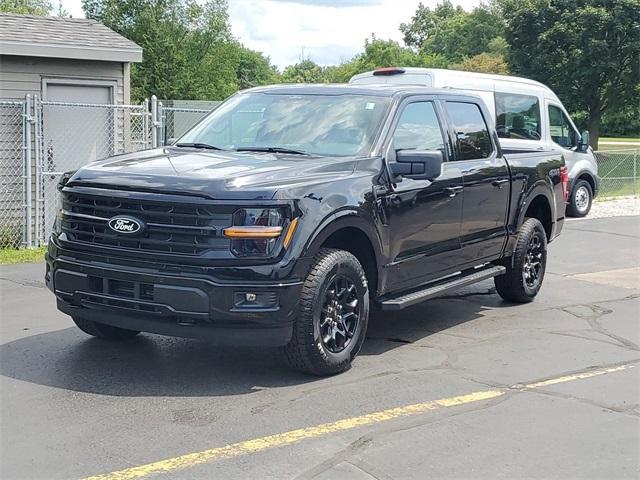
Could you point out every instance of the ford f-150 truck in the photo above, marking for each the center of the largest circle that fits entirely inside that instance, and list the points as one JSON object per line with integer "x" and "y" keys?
{"x": 291, "y": 212}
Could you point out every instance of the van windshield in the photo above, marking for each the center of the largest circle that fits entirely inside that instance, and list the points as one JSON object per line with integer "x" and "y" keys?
{"x": 332, "y": 125}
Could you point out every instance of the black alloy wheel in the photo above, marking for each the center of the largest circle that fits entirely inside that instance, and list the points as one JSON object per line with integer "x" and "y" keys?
{"x": 340, "y": 314}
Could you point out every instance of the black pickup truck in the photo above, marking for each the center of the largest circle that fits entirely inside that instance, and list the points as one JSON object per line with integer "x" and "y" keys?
{"x": 291, "y": 212}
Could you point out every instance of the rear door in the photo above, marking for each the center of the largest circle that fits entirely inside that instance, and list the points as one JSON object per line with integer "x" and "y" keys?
{"x": 486, "y": 183}
{"x": 423, "y": 216}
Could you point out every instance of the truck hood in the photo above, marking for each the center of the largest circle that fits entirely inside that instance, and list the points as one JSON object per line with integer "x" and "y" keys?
{"x": 211, "y": 174}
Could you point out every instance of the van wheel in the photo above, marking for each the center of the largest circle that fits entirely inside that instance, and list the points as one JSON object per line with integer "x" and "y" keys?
{"x": 525, "y": 269}
{"x": 334, "y": 312}
{"x": 101, "y": 330}
{"x": 581, "y": 199}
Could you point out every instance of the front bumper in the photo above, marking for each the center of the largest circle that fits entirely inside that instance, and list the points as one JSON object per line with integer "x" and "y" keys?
{"x": 182, "y": 304}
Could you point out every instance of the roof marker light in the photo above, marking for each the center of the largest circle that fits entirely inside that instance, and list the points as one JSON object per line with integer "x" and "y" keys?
{"x": 388, "y": 71}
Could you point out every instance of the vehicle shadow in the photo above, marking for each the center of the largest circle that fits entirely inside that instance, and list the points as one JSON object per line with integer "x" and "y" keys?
{"x": 152, "y": 365}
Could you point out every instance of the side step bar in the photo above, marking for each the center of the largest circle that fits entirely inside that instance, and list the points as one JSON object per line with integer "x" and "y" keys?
{"x": 404, "y": 301}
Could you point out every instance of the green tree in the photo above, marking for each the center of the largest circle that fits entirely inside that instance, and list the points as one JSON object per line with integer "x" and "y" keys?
{"x": 26, "y": 7}
{"x": 305, "y": 71}
{"x": 254, "y": 69}
{"x": 587, "y": 51}
{"x": 188, "y": 49}
{"x": 454, "y": 33}
{"x": 483, "y": 63}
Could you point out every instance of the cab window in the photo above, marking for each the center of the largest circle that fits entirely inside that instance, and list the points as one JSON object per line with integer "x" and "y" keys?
{"x": 517, "y": 116}
{"x": 560, "y": 128}
{"x": 471, "y": 130}
{"x": 418, "y": 128}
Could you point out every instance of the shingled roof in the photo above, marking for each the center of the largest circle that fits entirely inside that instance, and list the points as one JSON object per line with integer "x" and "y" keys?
{"x": 77, "y": 38}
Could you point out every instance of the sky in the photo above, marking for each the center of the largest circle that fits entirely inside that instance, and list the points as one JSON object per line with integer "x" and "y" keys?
{"x": 325, "y": 31}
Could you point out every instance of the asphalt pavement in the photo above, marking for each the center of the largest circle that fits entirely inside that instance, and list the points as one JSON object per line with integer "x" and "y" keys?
{"x": 465, "y": 386}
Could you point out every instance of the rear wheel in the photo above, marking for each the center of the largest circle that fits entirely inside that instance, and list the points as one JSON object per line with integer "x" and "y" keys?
{"x": 525, "y": 269}
{"x": 101, "y": 330}
{"x": 581, "y": 199}
{"x": 333, "y": 316}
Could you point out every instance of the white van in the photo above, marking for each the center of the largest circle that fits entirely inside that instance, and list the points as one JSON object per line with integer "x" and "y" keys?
{"x": 527, "y": 114}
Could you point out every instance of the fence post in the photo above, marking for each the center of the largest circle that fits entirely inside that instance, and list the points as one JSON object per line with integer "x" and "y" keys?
{"x": 154, "y": 121}
{"x": 27, "y": 177}
{"x": 37, "y": 112}
{"x": 635, "y": 173}
{"x": 161, "y": 132}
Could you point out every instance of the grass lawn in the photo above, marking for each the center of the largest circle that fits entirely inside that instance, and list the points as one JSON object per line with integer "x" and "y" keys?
{"x": 608, "y": 144}
{"x": 22, "y": 255}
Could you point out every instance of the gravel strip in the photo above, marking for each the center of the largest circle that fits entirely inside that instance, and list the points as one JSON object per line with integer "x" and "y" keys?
{"x": 615, "y": 207}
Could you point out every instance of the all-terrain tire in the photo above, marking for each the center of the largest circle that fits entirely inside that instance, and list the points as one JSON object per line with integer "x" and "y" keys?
{"x": 308, "y": 350}
{"x": 581, "y": 199}
{"x": 529, "y": 259}
{"x": 101, "y": 330}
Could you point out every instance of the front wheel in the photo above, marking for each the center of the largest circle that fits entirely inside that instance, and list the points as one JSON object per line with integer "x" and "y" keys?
{"x": 525, "y": 269}
{"x": 333, "y": 315}
{"x": 581, "y": 199}
{"x": 101, "y": 330}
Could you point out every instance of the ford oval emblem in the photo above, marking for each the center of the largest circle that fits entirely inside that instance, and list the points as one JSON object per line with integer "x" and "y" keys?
{"x": 127, "y": 225}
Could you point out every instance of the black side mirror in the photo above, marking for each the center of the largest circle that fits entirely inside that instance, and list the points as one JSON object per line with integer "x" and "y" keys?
{"x": 583, "y": 144}
{"x": 418, "y": 164}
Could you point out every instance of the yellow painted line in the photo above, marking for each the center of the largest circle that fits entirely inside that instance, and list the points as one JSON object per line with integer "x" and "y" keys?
{"x": 577, "y": 376}
{"x": 287, "y": 438}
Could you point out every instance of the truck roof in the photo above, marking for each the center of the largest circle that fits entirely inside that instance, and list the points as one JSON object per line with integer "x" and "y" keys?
{"x": 383, "y": 90}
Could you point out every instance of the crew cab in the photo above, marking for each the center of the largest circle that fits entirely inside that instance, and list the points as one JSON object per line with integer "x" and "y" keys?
{"x": 290, "y": 212}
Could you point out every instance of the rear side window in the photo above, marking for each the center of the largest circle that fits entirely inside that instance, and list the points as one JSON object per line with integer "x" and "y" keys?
{"x": 560, "y": 129}
{"x": 517, "y": 116}
{"x": 471, "y": 130}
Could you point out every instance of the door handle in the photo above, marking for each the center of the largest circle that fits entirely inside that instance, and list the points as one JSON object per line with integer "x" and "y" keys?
{"x": 498, "y": 183}
{"x": 453, "y": 191}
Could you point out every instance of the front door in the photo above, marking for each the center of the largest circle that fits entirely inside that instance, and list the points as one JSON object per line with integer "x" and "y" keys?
{"x": 486, "y": 184}
{"x": 423, "y": 216}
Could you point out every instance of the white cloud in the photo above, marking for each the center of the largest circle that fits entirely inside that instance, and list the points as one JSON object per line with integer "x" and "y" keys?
{"x": 326, "y": 31}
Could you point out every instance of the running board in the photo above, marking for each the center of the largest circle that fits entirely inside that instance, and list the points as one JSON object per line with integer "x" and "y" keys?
{"x": 404, "y": 301}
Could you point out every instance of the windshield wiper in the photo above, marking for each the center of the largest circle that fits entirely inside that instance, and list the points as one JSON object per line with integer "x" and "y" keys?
{"x": 198, "y": 145}
{"x": 272, "y": 150}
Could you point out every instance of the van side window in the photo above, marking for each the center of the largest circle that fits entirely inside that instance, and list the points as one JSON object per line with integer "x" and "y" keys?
{"x": 418, "y": 128}
{"x": 471, "y": 130}
{"x": 517, "y": 116}
{"x": 560, "y": 128}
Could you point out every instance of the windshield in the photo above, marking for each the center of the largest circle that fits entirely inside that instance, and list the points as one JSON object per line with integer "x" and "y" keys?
{"x": 341, "y": 125}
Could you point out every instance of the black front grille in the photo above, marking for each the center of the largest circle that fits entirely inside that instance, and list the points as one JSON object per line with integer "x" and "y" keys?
{"x": 171, "y": 227}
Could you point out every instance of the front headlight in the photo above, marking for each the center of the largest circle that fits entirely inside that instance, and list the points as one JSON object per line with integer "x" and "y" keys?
{"x": 255, "y": 231}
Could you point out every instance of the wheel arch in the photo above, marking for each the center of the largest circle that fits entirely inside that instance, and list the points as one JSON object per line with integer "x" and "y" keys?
{"x": 588, "y": 177}
{"x": 349, "y": 231}
{"x": 540, "y": 208}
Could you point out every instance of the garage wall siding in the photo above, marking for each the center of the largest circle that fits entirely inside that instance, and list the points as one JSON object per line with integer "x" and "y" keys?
{"x": 22, "y": 75}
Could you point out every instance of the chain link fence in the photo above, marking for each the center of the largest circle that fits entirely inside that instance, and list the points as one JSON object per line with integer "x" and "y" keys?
{"x": 13, "y": 119}
{"x": 618, "y": 172}
{"x": 178, "y": 116}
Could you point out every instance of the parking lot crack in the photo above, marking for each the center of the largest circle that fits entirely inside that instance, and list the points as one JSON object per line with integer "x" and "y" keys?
{"x": 24, "y": 283}
{"x": 592, "y": 313}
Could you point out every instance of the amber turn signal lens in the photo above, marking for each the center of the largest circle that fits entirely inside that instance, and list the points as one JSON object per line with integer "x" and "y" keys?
{"x": 253, "y": 232}
{"x": 290, "y": 231}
